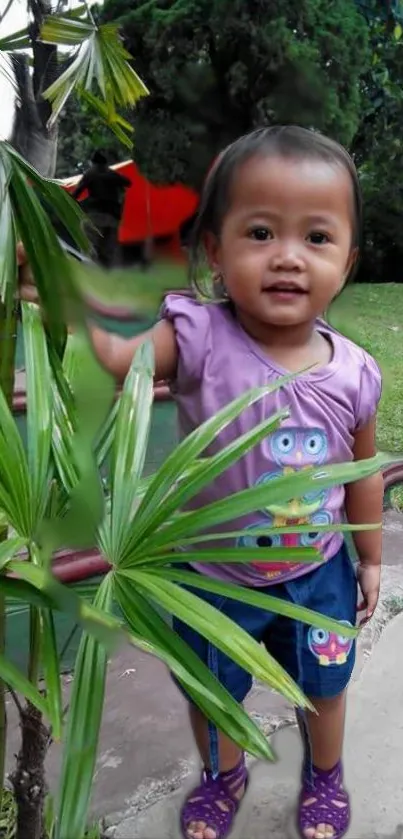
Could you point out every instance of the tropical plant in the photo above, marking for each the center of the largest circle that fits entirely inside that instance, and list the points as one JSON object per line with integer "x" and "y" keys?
{"x": 96, "y": 57}
{"x": 60, "y": 54}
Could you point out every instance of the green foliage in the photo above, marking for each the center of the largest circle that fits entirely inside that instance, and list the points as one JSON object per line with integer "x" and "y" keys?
{"x": 96, "y": 67}
{"x": 217, "y": 68}
{"x": 378, "y": 150}
{"x": 81, "y": 132}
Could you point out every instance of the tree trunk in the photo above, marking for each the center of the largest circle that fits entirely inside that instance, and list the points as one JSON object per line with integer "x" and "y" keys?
{"x": 28, "y": 780}
{"x": 31, "y": 136}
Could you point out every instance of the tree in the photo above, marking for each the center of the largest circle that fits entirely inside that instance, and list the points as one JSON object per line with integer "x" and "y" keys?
{"x": 377, "y": 147}
{"x": 217, "y": 68}
{"x": 55, "y": 55}
{"x": 80, "y": 133}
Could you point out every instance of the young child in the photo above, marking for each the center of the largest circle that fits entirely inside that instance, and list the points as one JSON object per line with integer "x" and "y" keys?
{"x": 279, "y": 224}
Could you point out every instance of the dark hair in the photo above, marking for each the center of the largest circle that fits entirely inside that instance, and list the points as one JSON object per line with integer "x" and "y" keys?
{"x": 281, "y": 140}
{"x": 100, "y": 158}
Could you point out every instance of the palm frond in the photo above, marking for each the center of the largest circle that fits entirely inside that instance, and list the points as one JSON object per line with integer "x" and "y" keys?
{"x": 83, "y": 726}
{"x": 17, "y": 41}
{"x": 99, "y": 58}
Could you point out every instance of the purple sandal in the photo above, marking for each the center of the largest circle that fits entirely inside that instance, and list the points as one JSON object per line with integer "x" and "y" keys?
{"x": 203, "y": 804}
{"x": 323, "y": 800}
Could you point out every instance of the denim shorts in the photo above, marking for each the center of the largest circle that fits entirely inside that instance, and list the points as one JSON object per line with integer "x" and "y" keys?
{"x": 320, "y": 662}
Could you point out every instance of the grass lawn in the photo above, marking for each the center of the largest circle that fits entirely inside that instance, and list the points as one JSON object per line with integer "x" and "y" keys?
{"x": 372, "y": 316}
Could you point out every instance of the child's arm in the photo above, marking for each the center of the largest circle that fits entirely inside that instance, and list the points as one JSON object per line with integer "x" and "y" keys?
{"x": 116, "y": 353}
{"x": 113, "y": 352}
{"x": 364, "y": 505}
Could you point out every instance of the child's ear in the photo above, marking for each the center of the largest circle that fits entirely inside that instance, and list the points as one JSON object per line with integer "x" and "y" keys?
{"x": 212, "y": 249}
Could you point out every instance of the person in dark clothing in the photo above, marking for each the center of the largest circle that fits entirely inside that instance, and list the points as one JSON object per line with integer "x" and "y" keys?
{"x": 106, "y": 190}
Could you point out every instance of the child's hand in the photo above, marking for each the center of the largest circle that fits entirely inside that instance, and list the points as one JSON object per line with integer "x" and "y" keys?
{"x": 27, "y": 288}
{"x": 369, "y": 579}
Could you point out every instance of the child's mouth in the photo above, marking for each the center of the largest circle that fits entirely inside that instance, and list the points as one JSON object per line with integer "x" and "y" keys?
{"x": 285, "y": 291}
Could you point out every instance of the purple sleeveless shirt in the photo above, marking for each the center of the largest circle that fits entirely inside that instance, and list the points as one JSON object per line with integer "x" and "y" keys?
{"x": 218, "y": 361}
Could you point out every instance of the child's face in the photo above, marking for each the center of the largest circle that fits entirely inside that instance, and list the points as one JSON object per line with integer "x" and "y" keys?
{"x": 286, "y": 247}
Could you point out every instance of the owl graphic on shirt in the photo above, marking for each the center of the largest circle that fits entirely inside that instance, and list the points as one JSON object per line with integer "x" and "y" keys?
{"x": 291, "y": 450}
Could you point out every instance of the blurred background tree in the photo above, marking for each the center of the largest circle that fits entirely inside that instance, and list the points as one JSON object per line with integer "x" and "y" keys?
{"x": 217, "y": 68}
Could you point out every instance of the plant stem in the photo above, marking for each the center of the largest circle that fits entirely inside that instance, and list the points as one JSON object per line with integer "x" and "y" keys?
{"x": 34, "y": 645}
{"x": 29, "y": 780}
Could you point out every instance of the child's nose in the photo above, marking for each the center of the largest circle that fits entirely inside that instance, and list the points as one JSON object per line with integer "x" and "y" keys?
{"x": 287, "y": 257}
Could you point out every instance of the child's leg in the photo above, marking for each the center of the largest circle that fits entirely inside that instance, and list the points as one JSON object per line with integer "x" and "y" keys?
{"x": 321, "y": 662}
{"x": 324, "y": 804}
{"x": 229, "y": 753}
{"x": 230, "y": 757}
{"x": 326, "y": 664}
{"x": 210, "y": 809}
{"x": 326, "y": 730}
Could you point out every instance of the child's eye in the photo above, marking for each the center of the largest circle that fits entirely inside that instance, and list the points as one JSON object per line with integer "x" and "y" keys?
{"x": 261, "y": 234}
{"x": 318, "y": 238}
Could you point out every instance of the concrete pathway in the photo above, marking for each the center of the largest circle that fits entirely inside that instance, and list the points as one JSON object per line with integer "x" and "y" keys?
{"x": 373, "y": 761}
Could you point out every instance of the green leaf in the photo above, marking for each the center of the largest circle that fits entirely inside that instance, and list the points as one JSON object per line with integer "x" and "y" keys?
{"x": 100, "y": 57}
{"x": 122, "y": 129}
{"x": 104, "y": 627}
{"x": 20, "y": 593}
{"x": 74, "y": 450}
{"x": 126, "y": 87}
{"x": 153, "y": 635}
{"x": 397, "y": 32}
{"x": 259, "y": 599}
{"x": 39, "y": 407}
{"x": 219, "y": 630}
{"x": 8, "y": 239}
{"x": 207, "y": 470}
{"x": 234, "y": 555}
{"x": 64, "y": 414}
{"x": 9, "y": 548}
{"x": 50, "y": 267}
{"x": 82, "y": 731}
{"x": 130, "y": 445}
{"x": 51, "y": 672}
{"x": 57, "y": 199}
{"x": 104, "y": 441}
{"x": 12, "y": 676}
{"x": 261, "y": 497}
{"x": 262, "y": 531}
{"x": 192, "y": 446}
{"x": 66, "y": 31}
{"x": 17, "y": 41}
{"x": 15, "y": 498}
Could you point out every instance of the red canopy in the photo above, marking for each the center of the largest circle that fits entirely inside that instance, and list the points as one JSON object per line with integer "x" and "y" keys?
{"x": 149, "y": 211}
